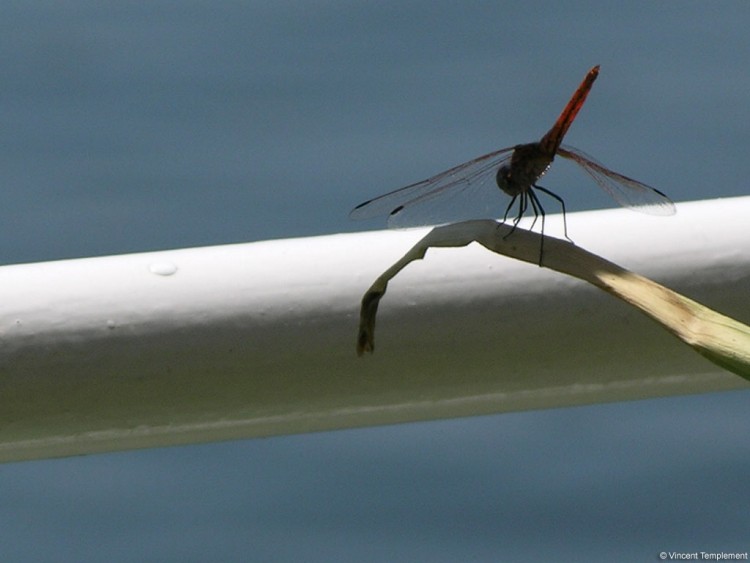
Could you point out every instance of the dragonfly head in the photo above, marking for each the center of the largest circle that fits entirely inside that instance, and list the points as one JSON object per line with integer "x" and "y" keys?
{"x": 505, "y": 182}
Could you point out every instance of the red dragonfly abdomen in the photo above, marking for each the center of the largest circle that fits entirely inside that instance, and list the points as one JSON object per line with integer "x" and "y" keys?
{"x": 551, "y": 141}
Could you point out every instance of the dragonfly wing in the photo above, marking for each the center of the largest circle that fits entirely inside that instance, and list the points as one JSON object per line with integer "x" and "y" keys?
{"x": 461, "y": 192}
{"x": 625, "y": 191}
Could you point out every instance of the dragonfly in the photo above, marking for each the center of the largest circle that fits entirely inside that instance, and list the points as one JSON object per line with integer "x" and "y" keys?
{"x": 516, "y": 171}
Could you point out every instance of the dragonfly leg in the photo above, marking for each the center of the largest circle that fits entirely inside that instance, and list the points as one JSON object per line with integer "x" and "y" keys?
{"x": 522, "y": 205}
{"x": 507, "y": 209}
{"x": 538, "y": 210}
{"x": 562, "y": 205}
{"x": 536, "y": 205}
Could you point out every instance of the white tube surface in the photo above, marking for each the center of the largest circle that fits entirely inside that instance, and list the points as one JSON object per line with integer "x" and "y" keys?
{"x": 257, "y": 339}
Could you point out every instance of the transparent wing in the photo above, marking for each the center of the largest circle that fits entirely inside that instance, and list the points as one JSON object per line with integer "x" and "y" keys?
{"x": 625, "y": 191}
{"x": 466, "y": 191}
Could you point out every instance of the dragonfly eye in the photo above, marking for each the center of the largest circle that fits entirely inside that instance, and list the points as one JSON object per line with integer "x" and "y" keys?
{"x": 503, "y": 177}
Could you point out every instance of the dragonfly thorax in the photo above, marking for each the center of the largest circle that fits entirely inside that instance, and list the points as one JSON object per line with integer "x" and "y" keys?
{"x": 528, "y": 164}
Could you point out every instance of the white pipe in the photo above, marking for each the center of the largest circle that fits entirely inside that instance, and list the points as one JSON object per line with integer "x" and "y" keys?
{"x": 204, "y": 344}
